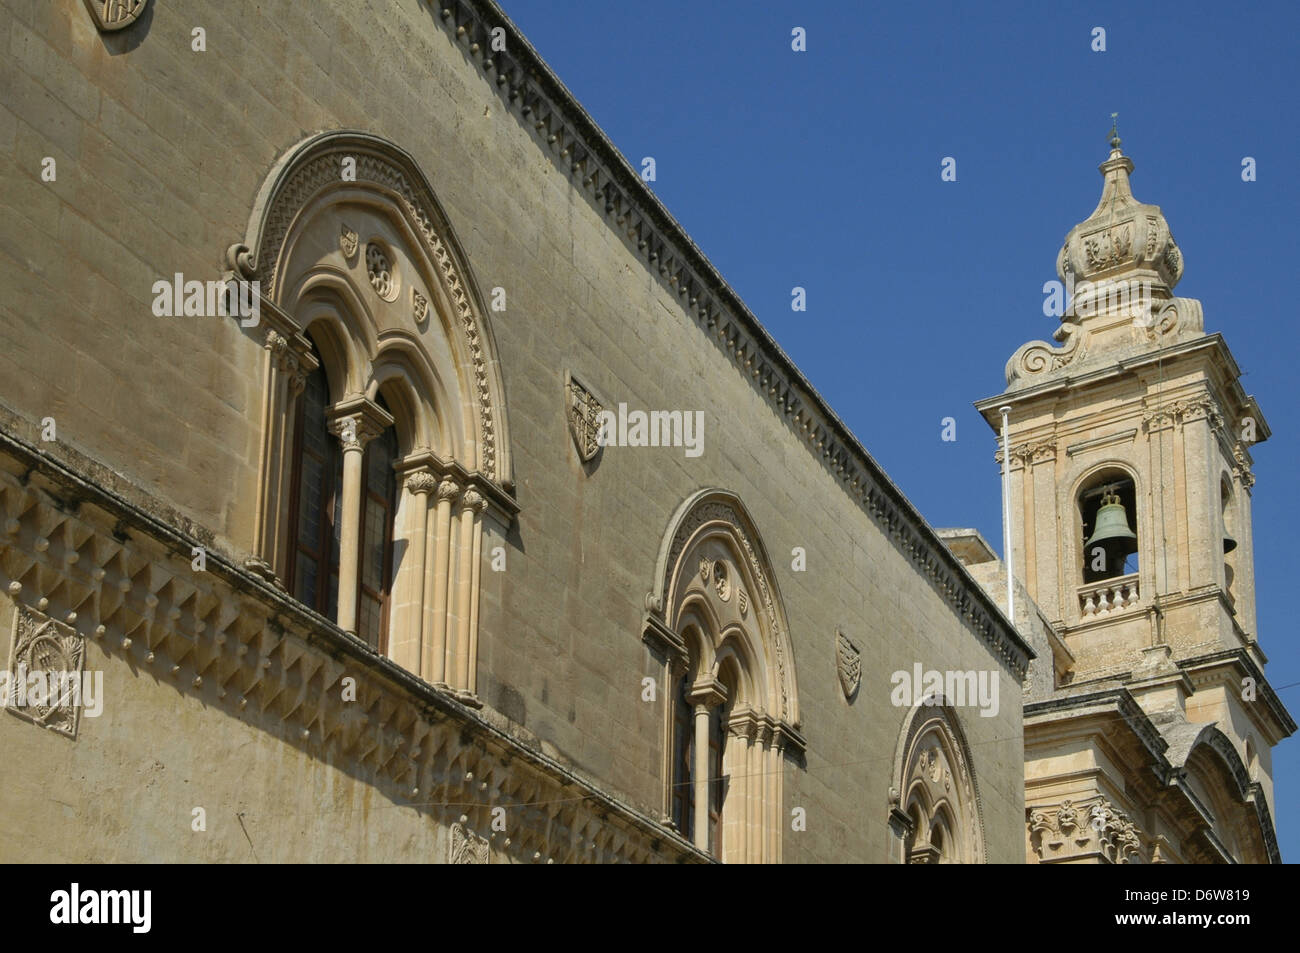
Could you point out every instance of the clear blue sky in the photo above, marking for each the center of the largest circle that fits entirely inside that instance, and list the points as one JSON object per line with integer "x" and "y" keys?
{"x": 821, "y": 169}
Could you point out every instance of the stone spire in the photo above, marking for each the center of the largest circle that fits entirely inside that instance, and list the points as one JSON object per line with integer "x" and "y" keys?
{"x": 1123, "y": 239}
{"x": 1118, "y": 268}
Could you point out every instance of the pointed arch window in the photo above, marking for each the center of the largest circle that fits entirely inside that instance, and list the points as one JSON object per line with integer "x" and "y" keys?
{"x": 731, "y": 719}
{"x": 375, "y": 517}
{"x": 936, "y": 813}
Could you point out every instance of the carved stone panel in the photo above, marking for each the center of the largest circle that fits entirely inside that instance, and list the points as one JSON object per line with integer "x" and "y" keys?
{"x": 848, "y": 661}
{"x": 44, "y": 685}
{"x": 584, "y": 418}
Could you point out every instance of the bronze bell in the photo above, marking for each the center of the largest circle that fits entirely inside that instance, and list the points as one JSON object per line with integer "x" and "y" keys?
{"x": 1111, "y": 533}
{"x": 1229, "y": 544}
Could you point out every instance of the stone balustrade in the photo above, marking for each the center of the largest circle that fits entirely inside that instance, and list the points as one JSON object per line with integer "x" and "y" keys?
{"x": 1108, "y": 595}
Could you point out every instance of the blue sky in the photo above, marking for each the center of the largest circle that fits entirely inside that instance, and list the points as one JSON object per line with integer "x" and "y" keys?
{"x": 821, "y": 169}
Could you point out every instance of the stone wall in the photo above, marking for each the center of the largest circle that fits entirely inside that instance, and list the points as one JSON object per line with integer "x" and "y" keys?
{"x": 160, "y": 152}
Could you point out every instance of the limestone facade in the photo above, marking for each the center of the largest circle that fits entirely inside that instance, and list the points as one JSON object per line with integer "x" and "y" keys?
{"x": 559, "y": 651}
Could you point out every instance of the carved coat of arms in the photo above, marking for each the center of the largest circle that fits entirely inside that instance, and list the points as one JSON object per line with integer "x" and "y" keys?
{"x": 46, "y": 650}
{"x": 349, "y": 242}
{"x": 115, "y": 14}
{"x": 848, "y": 662}
{"x": 584, "y": 418}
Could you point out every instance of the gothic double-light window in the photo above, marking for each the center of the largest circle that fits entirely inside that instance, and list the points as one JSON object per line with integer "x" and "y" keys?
{"x": 935, "y": 810}
{"x": 731, "y": 718}
{"x": 384, "y": 441}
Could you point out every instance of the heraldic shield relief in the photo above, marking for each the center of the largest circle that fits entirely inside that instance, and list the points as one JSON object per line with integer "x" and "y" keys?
{"x": 115, "y": 14}
{"x": 848, "y": 660}
{"x": 584, "y": 418}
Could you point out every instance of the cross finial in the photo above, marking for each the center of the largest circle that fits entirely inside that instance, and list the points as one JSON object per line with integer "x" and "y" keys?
{"x": 1114, "y": 130}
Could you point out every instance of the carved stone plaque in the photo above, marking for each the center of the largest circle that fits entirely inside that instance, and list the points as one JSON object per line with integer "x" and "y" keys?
{"x": 349, "y": 242}
{"x": 50, "y": 653}
{"x": 848, "y": 661}
{"x": 115, "y": 14}
{"x": 584, "y": 418}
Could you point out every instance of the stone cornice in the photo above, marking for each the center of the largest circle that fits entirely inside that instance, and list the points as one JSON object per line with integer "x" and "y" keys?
{"x": 580, "y": 149}
{"x": 1241, "y": 658}
{"x": 1118, "y": 700}
{"x": 1058, "y": 387}
{"x": 120, "y": 573}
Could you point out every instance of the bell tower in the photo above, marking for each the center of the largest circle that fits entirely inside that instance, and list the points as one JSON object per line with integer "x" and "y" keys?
{"x": 1131, "y": 447}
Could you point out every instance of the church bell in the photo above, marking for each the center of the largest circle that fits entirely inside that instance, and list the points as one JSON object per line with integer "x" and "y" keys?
{"x": 1111, "y": 532}
{"x": 1229, "y": 544}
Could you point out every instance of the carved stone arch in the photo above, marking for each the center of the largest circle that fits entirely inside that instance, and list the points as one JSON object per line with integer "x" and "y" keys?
{"x": 1074, "y": 482}
{"x": 310, "y": 176}
{"x": 933, "y": 769}
{"x": 342, "y": 359}
{"x": 718, "y": 516}
{"x": 347, "y": 237}
{"x": 1214, "y": 760}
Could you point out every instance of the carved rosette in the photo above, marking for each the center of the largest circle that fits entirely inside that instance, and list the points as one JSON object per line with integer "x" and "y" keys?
{"x": 115, "y": 14}
{"x": 52, "y": 653}
{"x": 584, "y": 419}
{"x": 848, "y": 665}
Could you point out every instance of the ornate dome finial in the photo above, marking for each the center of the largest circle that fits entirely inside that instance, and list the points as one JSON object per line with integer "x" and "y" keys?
{"x": 1123, "y": 239}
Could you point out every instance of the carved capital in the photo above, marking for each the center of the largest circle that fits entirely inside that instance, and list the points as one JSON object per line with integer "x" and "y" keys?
{"x": 1096, "y": 828}
{"x": 422, "y": 482}
{"x": 358, "y": 421}
{"x": 448, "y": 490}
{"x": 1241, "y": 470}
{"x": 473, "y": 501}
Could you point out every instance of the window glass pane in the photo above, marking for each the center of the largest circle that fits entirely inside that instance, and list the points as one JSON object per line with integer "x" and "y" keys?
{"x": 372, "y": 573}
{"x": 337, "y": 524}
{"x": 368, "y": 620}
{"x": 304, "y": 583}
{"x": 309, "y": 504}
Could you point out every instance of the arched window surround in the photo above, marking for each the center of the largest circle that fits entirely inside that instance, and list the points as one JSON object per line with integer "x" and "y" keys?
{"x": 715, "y": 617}
{"x": 933, "y": 789}
{"x": 1079, "y": 607}
{"x": 427, "y": 349}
